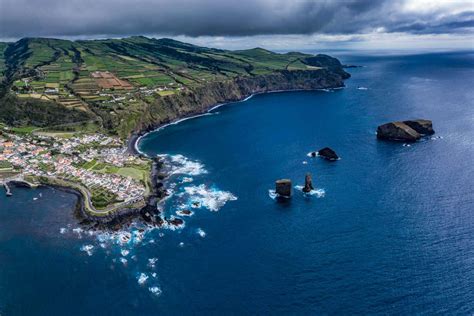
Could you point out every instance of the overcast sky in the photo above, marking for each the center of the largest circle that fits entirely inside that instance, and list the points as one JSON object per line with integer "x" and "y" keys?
{"x": 275, "y": 24}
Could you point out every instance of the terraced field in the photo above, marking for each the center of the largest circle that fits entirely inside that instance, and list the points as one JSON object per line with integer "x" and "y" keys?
{"x": 115, "y": 79}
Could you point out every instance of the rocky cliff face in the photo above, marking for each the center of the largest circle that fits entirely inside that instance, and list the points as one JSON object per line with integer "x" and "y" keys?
{"x": 169, "y": 108}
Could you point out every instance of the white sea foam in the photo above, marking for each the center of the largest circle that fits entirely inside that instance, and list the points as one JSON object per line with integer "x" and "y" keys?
{"x": 154, "y": 274}
{"x": 152, "y": 262}
{"x": 319, "y": 193}
{"x": 201, "y": 232}
{"x": 362, "y": 88}
{"x": 196, "y": 204}
{"x": 173, "y": 227}
{"x": 124, "y": 261}
{"x": 305, "y": 162}
{"x": 142, "y": 278}
{"x": 222, "y": 104}
{"x": 155, "y": 290}
{"x": 180, "y": 164}
{"x": 273, "y": 195}
{"x": 124, "y": 252}
{"x": 78, "y": 230}
{"x": 89, "y": 249}
{"x": 181, "y": 244}
{"x": 310, "y": 154}
{"x": 138, "y": 236}
{"x": 187, "y": 180}
{"x": 124, "y": 237}
{"x": 62, "y": 230}
{"x": 182, "y": 120}
{"x": 209, "y": 197}
{"x": 137, "y": 149}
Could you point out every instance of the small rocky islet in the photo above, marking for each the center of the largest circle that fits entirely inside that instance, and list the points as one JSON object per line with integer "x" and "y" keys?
{"x": 405, "y": 131}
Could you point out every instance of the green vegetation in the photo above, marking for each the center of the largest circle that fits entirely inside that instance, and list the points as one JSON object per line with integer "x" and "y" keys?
{"x": 23, "y": 130}
{"x": 102, "y": 198}
{"x": 4, "y": 164}
{"x": 109, "y": 84}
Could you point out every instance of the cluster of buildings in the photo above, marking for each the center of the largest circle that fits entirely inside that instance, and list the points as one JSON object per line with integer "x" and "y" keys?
{"x": 73, "y": 159}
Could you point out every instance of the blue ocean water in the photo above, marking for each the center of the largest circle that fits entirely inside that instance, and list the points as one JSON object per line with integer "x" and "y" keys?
{"x": 391, "y": 232}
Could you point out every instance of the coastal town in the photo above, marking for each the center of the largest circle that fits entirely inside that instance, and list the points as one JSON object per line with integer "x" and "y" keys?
{"x": 96, "y": 164}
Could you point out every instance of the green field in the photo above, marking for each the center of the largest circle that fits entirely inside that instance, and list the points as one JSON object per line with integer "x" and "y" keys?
{"x": 102, "y": 198}
{"x": 23, "y": 130}
{"x": 63, "y": 72}
{"x": 4, "y": 164}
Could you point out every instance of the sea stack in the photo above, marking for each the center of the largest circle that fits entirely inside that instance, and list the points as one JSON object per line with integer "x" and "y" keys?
{"x": 308, "y": 183}
{"x": 283, "y": 187}
{"x": 406, "y": 131}
{"x": 328, "y": 154}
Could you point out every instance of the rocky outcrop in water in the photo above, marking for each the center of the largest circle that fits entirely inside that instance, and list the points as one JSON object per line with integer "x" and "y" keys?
{"x": 328, "y": 154}
{"x": 283, "y": 187}
{"x": 406, "y": 131}
{"x": 423, "y": 127}
{"x": 308, "y": 183}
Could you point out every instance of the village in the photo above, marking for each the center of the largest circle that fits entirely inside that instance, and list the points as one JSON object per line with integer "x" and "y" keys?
{"x": 97, "y": 162}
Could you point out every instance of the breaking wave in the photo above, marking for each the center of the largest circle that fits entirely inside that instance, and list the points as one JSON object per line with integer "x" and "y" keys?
{"x": 179, "y": 164}
{"x": 201, "y": 233}
{"x": 319, "y": 193}
{"x": 208, "y": 197}
{"x": 142, "y": 278}
{"x": 88, "y": 249}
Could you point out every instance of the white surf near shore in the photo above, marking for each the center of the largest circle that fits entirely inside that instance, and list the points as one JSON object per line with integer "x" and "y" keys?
{"x": 319, "y": 193}
{"x": 208, "y": 197}
{"x": 217, "y": 106}
{"x": 179, "y": 164}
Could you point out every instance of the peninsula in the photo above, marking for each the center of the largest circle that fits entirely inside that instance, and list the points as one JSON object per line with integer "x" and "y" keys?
{"x": 71, "y": 111}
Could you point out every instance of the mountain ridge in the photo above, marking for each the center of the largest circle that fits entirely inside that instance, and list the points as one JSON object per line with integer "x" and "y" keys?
{"x": 115, "y": 83}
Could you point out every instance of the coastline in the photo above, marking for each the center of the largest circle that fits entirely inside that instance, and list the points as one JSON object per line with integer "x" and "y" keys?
{"x": 147, "y": 210}
{"x": 135, "y": 138}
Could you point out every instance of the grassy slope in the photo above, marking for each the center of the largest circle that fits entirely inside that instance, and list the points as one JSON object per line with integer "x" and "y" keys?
{"x": 32, "y": 66}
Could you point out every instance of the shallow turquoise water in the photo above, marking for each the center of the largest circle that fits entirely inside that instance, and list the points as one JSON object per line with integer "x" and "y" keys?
{"x": 392, "y": 234}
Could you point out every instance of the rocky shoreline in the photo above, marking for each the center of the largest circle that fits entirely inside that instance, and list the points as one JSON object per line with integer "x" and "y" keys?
{"x": 246, "y": 87}
{"x": 203, "y": 100}
{"x": 197, "y": 103}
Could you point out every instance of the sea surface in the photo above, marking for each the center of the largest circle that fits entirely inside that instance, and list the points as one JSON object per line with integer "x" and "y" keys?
{"x": 389, "y": 230}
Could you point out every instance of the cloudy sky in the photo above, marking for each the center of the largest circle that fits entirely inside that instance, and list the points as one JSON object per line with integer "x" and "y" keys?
{"x": 275, "y": 24}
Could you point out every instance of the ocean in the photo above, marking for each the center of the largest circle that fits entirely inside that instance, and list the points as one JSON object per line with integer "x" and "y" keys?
{"x": 388, "y": 231}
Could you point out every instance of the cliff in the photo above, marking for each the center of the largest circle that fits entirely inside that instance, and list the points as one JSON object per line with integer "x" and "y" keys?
{"x": 123, "y": 86}
{"x": 170, "y": 108}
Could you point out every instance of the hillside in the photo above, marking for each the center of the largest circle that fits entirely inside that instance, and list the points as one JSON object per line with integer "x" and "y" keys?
{"x": 126, "y": 85}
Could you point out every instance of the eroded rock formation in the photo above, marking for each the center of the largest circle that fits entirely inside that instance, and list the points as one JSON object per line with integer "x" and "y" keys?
{"x": 407, "y": 131}
{"x": 283, "y": 187}
{"x": 308, "y": 183}
{"x": 328, "y": 153}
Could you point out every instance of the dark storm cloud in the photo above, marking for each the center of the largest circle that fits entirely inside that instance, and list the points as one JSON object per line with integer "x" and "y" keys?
{"x": 20, "y": 18}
